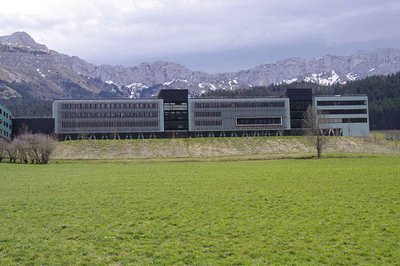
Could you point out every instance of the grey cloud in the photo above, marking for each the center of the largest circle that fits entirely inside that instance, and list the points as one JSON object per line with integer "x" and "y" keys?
{"x": 132, "y": 30}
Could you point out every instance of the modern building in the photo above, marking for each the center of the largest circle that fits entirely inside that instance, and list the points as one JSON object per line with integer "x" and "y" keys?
{"x": 105, "y": 118}
{"x": 173, "y": 114}
{"x": 252, "y": 115}
{"x": 343, "y": 115}
{"x": 5, "y": 123}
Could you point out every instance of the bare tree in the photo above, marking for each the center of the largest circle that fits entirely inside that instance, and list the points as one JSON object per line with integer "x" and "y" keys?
{"x": 12, "y": 152}
{"x": 41, "y": 147}
{"x": 34, "y": 148}
{"x": 3, "y": 149}
{"x": 46, "y": 147}
{"x": 22, "y": 148}
{"x": 313, "y": 130}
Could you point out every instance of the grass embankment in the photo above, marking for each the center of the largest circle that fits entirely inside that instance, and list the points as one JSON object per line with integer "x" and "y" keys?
{"x": 329, "y": 211}
{"x": 275, "y": 147}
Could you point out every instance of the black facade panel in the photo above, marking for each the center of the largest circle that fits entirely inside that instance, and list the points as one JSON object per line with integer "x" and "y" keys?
{"x": 175, "y": 109}
{"x": 32, "y": 125}
{"x": 174, "y": 96}
{"x": 300, "y": 100}
{"x": 299, "y": 94}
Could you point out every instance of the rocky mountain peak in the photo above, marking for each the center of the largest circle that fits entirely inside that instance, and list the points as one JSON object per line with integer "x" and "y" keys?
{"x": 49, "y": 74}
{"x": 23, "y": 40}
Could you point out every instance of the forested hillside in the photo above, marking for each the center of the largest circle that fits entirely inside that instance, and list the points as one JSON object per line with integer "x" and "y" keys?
{"x": 25, "y": 105}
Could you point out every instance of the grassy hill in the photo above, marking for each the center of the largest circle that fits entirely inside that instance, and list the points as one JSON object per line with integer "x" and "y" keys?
{"x": 262, "y": 147}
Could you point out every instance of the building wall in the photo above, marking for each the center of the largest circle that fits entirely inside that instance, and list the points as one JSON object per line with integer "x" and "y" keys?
{"x": 343, "y": 115}
{"x": 300, "y": 101}
{"x": 239, "y": 114}
{"x": 5, "y": 123}
{"x": 339, "y": 115}
{"x": 33, "y": 125}
{"x": 108, "y": 116}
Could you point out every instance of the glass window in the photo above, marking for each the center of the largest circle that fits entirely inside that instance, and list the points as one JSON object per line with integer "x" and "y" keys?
{"x": 250, "y": 121}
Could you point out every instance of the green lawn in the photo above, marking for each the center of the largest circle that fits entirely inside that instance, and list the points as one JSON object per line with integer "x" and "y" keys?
{"x": 299, "y": 211}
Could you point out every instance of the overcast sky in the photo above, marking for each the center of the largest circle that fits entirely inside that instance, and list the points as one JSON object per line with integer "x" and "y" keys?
{"x": 207, "y": 35}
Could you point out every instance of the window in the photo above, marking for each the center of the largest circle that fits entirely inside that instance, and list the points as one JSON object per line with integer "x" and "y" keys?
{"x": 109, "y": 124}
{"x": 342, "y": 120}
{"x": 208, "y": 123}
{"x": 354, "y": 120}
{"x": 330, "y": 120}
{"x": 348, "y": 102}
{"x": 340, "y": 112}
{"x": 207, "y": 114}
{"x": 258, "y": 121}
{"x": 233, "y": 104}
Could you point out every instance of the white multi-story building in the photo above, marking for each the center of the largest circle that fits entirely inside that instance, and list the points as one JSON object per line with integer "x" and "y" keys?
{"x": 343, "y": 115}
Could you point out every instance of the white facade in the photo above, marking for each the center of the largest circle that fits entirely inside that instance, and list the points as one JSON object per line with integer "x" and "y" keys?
{"x": 343, "y": 115}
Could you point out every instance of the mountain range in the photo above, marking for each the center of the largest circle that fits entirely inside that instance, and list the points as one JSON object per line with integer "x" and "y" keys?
{"x": 30, "y": 69}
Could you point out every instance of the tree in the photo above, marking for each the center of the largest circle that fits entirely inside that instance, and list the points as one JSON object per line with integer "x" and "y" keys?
{"x": 46, "y": 147}
{"x": 12, "y": 152}
{"x": 22, "y": 147}
{"x": 28, "y": 147}
{"x": 314, "y": 133}
{"x": 38, "y": 147}
{"x": 3, "y": 148}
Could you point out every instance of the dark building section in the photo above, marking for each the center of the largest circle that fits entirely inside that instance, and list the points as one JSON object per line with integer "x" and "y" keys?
{"x": 175, "y": 110}
{"x": 32, "y": 125}
{"x": 174, "y": 96}
{"x": 300, "y": 100}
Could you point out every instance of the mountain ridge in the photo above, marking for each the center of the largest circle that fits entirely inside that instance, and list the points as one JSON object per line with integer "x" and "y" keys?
{"x": 51, "y": 75}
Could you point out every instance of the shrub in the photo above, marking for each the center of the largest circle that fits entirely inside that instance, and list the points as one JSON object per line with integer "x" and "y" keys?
{"x": 27, "y": 147}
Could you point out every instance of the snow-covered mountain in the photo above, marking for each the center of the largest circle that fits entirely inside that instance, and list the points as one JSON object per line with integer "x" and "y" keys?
{"x": 48, "y": 74}
{"x": 326, "y": 70}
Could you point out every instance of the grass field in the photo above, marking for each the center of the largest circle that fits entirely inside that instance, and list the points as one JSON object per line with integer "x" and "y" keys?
{"x": 329, "y": 211}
